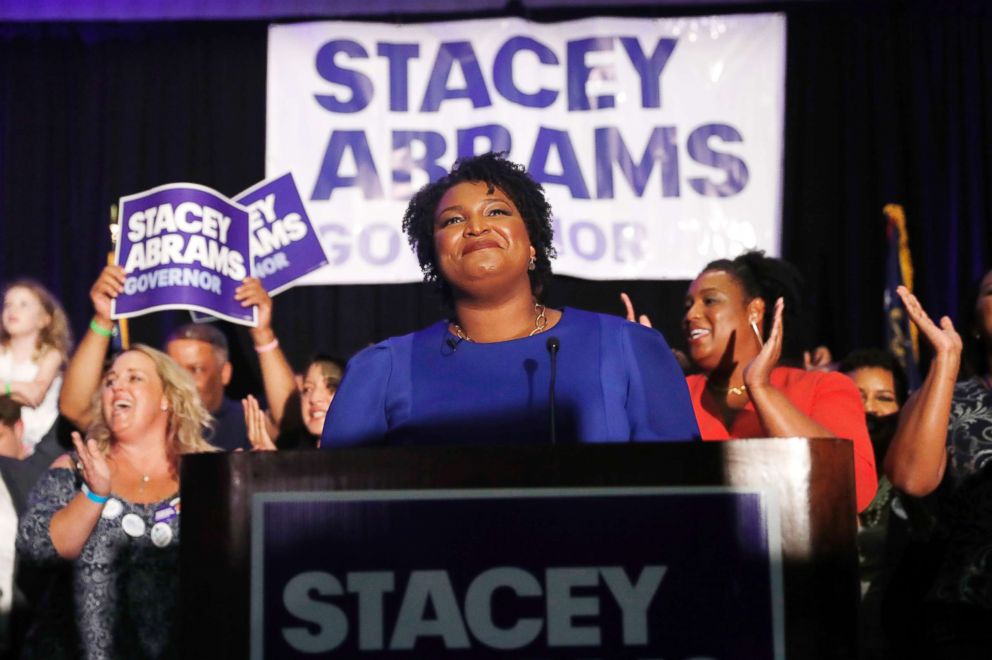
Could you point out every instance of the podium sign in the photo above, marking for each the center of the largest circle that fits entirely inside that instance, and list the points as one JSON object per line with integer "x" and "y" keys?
{"x": 538, "y": 573}
{"x": 637, "y": 551}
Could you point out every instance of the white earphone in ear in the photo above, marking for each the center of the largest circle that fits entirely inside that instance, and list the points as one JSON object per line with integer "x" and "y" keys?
{"x": 757, "y": 333}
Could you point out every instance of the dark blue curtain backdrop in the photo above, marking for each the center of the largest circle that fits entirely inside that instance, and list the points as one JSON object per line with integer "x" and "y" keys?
{"x": 885, "y": 102}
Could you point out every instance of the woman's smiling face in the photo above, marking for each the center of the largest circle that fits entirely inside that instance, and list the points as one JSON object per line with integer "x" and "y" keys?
{"x": 315, "y": 399}
{"x": 133, "y": 397}
{"x": 480, "y": 236}
{"x": 717, "y": 321}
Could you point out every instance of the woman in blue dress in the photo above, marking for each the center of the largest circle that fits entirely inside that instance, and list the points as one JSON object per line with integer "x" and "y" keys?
{"x": 487, "y": 375}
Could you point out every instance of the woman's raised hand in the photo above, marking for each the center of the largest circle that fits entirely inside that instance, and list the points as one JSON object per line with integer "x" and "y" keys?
{"x": 93, "y": 465}
{"x": 643, "y": 319}
{"x": 258, "y": 435}
{"x": 758, "y": 371}
{"x": 249, "y": 293}
{"x": 944, "y": 338}
{"x": 108, "y": 286}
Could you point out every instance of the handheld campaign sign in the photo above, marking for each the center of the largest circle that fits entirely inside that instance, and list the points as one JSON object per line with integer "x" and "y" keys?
{"x": 284, "y": 246}
{"x": 183, "y": 246}
{"x": 525, "y": 573}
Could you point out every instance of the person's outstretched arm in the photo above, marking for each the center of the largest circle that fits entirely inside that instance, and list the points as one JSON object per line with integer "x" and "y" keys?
{"x": 917, "y": 456}
{"x": 82, "y": 375}
{"x": 277, "y": 375}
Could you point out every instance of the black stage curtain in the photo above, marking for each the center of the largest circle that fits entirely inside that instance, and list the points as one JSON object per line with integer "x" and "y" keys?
{"x": 885, "y": 102}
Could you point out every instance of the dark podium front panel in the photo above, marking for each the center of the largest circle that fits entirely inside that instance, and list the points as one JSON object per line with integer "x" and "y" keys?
{"x": 741, "y": 549}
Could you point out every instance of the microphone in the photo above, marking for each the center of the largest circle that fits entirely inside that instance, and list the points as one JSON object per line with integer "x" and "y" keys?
{"x": 553, "y": 346}
{"x": 452, "y": 344}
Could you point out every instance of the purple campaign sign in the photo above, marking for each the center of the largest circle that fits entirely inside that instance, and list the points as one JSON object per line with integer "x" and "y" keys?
{"x": 284, "y": 246}
{"x": 183, "y": 246}
{"x": 544, "y": 573}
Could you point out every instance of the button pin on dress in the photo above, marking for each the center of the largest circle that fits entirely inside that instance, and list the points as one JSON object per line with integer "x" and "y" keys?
{"x": 112, "y": 509}
{"x": 161, "y": 534}
{"x": 133, "y": 525}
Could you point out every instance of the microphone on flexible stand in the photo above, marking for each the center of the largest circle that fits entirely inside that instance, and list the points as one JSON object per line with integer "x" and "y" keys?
{"x": 553, "y": 346}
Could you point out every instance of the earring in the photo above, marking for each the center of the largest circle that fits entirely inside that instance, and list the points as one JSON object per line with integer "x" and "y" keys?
{"x": 532, "y": 264}
{"x": 165, "y": 407}
{"x": 757, "y": 333}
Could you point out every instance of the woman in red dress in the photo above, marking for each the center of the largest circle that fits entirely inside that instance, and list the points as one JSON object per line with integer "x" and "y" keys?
{"x": 733, "y": 324}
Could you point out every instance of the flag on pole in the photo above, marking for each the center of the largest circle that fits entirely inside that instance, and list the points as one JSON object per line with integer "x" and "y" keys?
{"x": 900, "y": 333}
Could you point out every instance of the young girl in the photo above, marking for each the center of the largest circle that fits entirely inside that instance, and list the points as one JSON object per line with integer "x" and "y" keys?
{"x": 34, "y": 344}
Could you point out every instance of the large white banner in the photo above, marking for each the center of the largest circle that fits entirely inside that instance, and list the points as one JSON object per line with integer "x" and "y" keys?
{"x": 659, "y": 142}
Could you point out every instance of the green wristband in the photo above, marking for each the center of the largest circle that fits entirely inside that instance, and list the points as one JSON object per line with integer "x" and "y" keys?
{"x": 6, "y": 389}
{"x": 103, "y": 332}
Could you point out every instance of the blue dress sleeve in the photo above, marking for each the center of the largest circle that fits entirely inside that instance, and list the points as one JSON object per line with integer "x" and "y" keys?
{"x": 658, "y": 403}
{"x": 358, "y": 411}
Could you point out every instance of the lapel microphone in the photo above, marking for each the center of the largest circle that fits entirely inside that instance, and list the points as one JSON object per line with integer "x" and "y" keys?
{"x": 452, "y": 344}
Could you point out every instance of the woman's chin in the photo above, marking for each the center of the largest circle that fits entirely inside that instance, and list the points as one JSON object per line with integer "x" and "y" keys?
{"x": 698, "y": 356}
{"x": 118, "y": 424}
{"x": 483, "y": 281}
{"x": 126, "y": 430}
{"x": 486, "y": 267}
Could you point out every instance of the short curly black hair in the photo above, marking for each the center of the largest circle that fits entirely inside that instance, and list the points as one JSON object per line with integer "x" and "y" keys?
{"x": 498, "y": 172}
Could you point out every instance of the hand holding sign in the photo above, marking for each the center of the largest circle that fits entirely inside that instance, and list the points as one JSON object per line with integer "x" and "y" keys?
{"x": 251, "y": 293}
{"x": 183, "y": 246}
{"x": 108, "y": 286}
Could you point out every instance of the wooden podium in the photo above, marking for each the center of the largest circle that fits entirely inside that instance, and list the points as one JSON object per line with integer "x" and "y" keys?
{"x": 811, "y": 481}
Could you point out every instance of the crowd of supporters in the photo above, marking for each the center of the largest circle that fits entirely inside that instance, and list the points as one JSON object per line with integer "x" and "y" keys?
{"x": 89, "y": 532}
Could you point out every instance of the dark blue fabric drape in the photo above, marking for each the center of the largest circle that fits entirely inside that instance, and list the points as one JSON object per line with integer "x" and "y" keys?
{"x": 887, "y": 103}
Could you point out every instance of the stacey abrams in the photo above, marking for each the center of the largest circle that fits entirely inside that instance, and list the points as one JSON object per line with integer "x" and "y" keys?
{"x": 503, "y": 365}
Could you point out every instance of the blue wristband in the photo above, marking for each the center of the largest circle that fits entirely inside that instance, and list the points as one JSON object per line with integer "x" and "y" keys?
{"x": 99, "y": 499}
